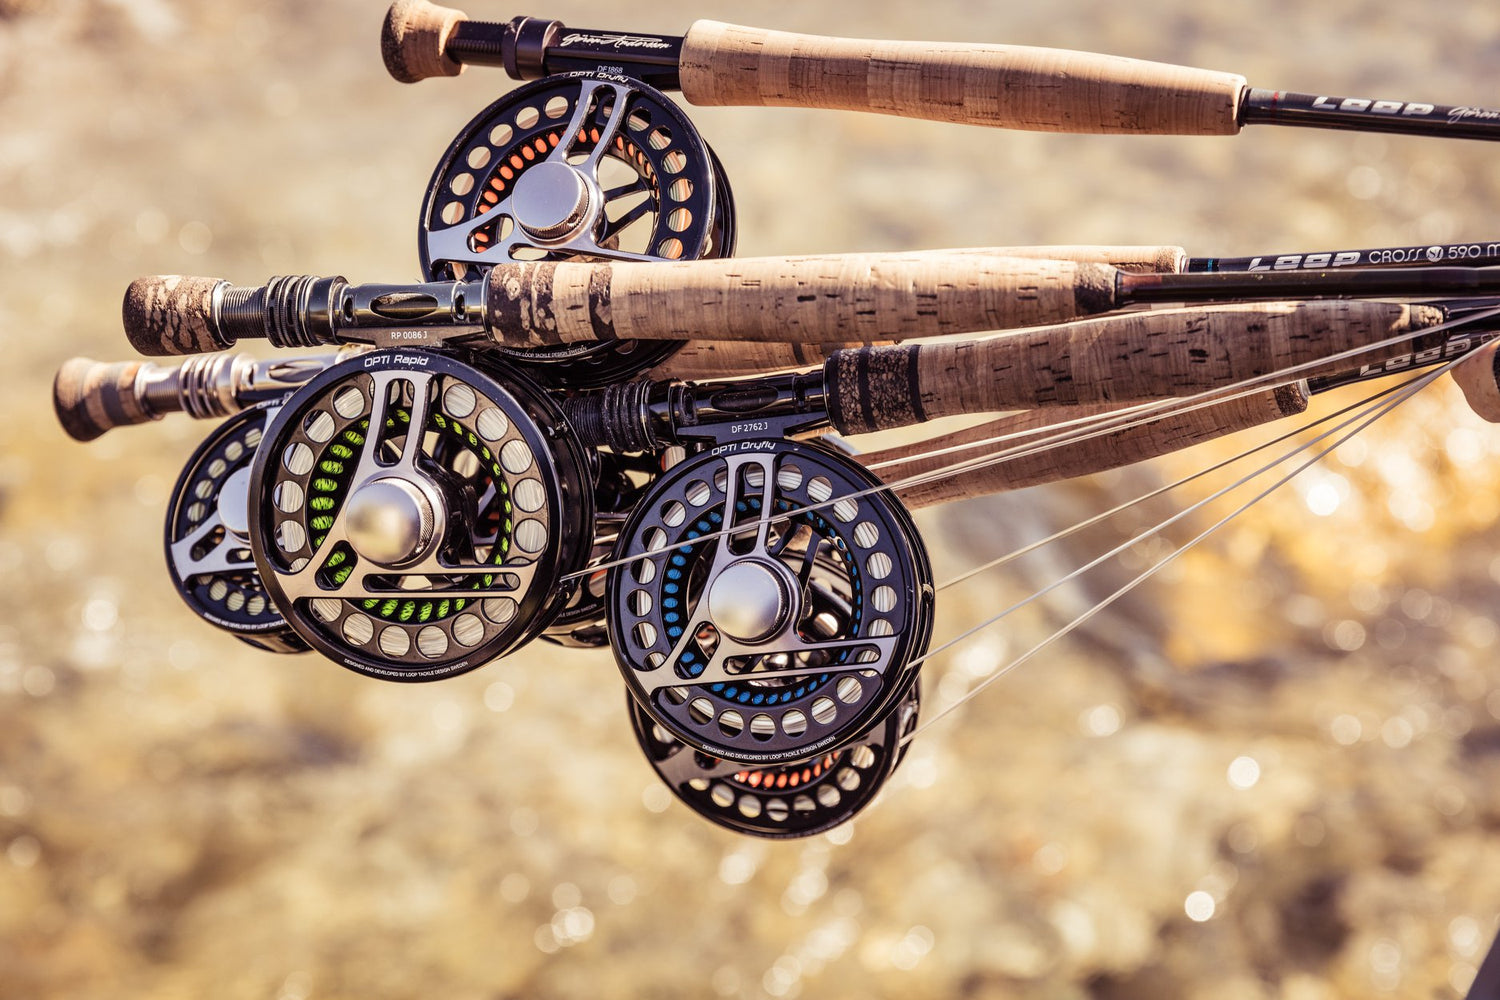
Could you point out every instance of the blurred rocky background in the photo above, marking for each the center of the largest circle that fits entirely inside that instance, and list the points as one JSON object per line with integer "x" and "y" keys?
{"x": 1274, "y": 771}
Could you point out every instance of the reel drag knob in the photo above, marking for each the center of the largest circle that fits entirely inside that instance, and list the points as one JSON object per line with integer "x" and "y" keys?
{"x": 748, "y": 601}
{"x": 392, "y": 522}
{"x": 551, "y": 201}
{"x": 415, "y": 516}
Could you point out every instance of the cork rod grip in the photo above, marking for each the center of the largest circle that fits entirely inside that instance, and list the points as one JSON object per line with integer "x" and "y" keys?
{"x": 171, "y": 314}
{"x": 414, "y": 40}
{"x": 1112, "y": 450}
{"x": 701, "y": 359}
{"x": 814, "y": 299}
{"x": 91, "y": 397}
{"x": 1005, "y": 86}
{"x": 1115, "y": 359}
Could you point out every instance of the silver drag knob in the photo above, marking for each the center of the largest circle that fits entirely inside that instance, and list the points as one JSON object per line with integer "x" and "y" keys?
{"x": 390, "y": 521}
{"x": 550, "y": 200}
{"x": 748, "y": 602}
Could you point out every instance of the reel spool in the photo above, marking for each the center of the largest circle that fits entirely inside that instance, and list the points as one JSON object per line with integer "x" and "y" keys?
{"x": 787, "y": 800}
{"x": 731, "y": 642}
{"x": 412, "y": 516}
{"x": 207, "y": 536}
{"x": 577, "y": 166}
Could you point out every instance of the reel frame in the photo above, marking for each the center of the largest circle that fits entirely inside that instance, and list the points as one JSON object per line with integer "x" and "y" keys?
{"x": 713, "y": 628}
{"x": 525, "y": 179}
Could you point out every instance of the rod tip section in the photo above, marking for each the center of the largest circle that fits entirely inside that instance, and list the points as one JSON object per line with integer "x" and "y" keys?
{"x": 414, "y": 40}
{"x": 1479, "y": 378}
{"x": 90, "y": 397}
{"x": 171, "y": 314}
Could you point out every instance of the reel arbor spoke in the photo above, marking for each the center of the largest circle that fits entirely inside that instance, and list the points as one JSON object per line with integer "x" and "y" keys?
{"x": 584, "y": 110}
{"x": 219, "y": 557}
{"x": 661, "y": 678}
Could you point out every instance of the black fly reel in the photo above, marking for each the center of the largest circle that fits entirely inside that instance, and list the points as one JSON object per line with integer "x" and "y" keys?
{"x": 594, "y": 167}
{"x": 768, "y": 609}
{"x": 208, "y": 536}
{"x": 785, "y": 800}
{"x": 412, "y": 515}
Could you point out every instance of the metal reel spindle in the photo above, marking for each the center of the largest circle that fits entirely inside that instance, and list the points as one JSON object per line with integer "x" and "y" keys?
{"x": 577, "y": 166}
{"x": 207, "y": 536}
{"x": 412, "y": 515}
{"x": 727, "y": 640}
{"x": 785, "y": 800}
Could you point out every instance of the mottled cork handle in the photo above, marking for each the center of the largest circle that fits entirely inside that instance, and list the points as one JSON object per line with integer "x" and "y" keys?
{"x": 171, "y": 314}
{"x": 1006, "y": 86}
{"x": 814, "y": 299}
{"x": 1116, "y": 359}
{"x": 1111, "y": 450}
{"x": 414, "y": 40}
{"x": 1478, "y": 376}
{"x": 91, "y": 397}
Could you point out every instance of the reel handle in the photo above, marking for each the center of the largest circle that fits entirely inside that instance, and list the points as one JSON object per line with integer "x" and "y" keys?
{"x": 1111, "y": 450}
{"x": 1003, "y": 86}
{"x": 91, "y": 397}
{"x": 1170, "y": 352}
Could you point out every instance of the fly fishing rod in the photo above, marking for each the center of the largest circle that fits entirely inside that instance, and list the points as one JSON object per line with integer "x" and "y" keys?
{"x": 815, "y": 299}
{"x": 1005, "y": 86}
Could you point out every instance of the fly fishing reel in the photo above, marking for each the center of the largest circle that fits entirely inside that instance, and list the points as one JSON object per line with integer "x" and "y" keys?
{"x": 412, "y": 515}
{"x": 582, "y": 166}
{"x": 785, "y": 800}
{"x": 208, "y": 536}
{"x": 768, "y": 608}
